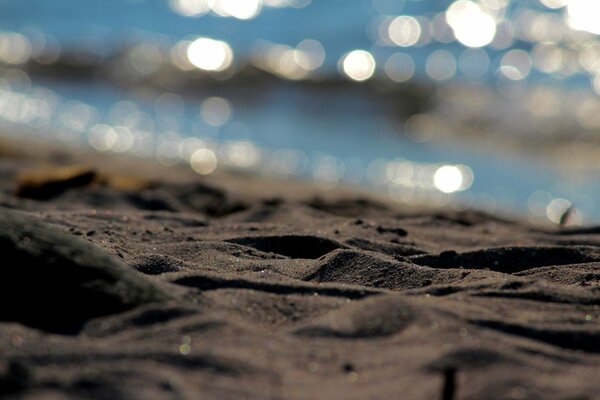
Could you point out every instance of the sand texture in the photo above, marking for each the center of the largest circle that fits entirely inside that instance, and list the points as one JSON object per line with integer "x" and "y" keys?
{"x": 174, "y": 286}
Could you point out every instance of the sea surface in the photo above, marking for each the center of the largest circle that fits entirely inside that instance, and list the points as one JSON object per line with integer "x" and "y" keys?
{"x": 325, "y": 111}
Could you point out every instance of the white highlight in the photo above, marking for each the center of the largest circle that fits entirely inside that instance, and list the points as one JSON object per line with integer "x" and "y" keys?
{"x": 209, "y": 54}
{"x": 358, "y": 65}
{"x": 472, "y": 26}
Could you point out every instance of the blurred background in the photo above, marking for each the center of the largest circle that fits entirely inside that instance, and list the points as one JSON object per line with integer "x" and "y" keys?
{"x": 493, "y": 104}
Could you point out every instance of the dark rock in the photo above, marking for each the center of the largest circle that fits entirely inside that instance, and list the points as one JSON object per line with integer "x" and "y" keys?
{"x": 396, "y": 231}
{"x": 56, "y": 282}
{"x": 46, "y": 184}
{"x": 16, "y": 377}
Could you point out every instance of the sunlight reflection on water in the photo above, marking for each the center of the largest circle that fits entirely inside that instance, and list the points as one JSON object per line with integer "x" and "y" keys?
{"x": 504, "y": 76}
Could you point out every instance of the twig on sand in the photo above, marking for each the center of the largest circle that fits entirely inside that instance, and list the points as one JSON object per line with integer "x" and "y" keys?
{"x": 449, "y": 388}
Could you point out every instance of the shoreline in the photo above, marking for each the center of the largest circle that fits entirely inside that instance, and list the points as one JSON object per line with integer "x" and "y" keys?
{"x": 241, "y": 182}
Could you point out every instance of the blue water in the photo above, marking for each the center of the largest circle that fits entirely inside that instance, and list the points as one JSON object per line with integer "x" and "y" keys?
{"x": 291, "y": 116}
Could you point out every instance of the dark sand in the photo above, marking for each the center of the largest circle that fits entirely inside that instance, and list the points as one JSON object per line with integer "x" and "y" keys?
{"x": 128, "y": 280}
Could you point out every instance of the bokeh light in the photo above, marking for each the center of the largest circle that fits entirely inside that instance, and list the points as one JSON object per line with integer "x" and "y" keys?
{"x": 203, "y": 161}
{"x": 358, "y": 65}
{"x": 452, "y": 178}
{"x": 440, "y": 65}
{"x": 15, "y": 48}
{"x": 556, "y": 208}
{"x": 472, "y": 26}
{"x": 549, "y": 58}
{"x": 310, "y": 54}
{"x": 516, "y": 64}
{"x": 400, "y": 67}
{"x": 289, "y": 62}
{"x": 554, "y": 4}
{"x": 240, "y": 154}
{"x": 246, "y": 9}
{"x": 209, "y": 54}
{"x": 215, "y": 111}
{"x": 404, "y": 31}
{"x": 584, "y": 15}
{"x": 190, "y": 8}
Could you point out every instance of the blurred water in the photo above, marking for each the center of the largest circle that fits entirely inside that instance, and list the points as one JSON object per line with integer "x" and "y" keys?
{"x": 333, "y": 132}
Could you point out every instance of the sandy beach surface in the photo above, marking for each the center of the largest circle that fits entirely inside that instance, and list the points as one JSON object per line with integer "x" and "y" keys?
{"x": 124, "y": 279}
